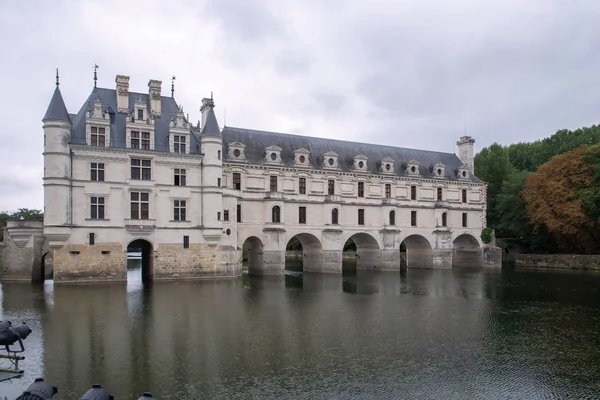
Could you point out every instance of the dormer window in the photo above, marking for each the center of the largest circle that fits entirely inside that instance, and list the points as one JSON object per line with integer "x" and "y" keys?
{"x": 330, "y": 160}
{"x": 301, "y": 157}
{"x": 387, "y": 165}
{"x": 462, "y": 173}
{"x": 98, "y": 136}
{"x": 97, "y": 125}
{"x": 273, "y": 154}
{"x": 235, "y": 151}
{"x": 360, "y": 163}
{"x": 412, "y": 168}
{"x": 438, "y": 170}
{"x": 140, "y": 114}
{"x": 179, "y": 144}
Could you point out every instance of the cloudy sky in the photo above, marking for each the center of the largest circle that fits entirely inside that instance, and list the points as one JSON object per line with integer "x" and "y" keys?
{"x": 408, "y": 73}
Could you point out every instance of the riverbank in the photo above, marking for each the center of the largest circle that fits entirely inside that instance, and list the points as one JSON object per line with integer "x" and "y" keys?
{"x": 557, "y": 261}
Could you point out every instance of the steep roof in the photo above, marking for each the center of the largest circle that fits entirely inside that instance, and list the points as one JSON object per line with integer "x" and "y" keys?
{"x": 211, "y": 126}
{"x": 118, "y": 121}
{"x": 256, "y": 143}
{"x": 56, "y": 108}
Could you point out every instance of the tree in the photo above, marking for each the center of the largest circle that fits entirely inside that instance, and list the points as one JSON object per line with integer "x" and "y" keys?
{"x": 552, "y": 200}
{"x": 23, "y": 213}
{"x": 492, "y": 165}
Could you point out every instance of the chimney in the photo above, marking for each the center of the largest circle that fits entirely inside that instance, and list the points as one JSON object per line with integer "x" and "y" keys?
{"x": 122, "y": 93}
{"x": 154, "y": 88}
{"x": 207, "y": 104}
{"x": 465, "y": 151}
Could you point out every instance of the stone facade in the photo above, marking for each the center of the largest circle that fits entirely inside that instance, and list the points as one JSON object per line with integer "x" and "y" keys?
{"x": 131, "y": 168}
{"x": 22, "y": 252}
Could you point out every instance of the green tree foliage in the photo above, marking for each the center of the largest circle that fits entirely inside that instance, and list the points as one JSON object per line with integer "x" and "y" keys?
{"x": 493, "y": 166}
{"x": 486, "y": 235}
{"x": 553, "y": 199}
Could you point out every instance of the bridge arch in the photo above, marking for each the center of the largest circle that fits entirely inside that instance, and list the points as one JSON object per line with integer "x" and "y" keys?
{"x": 252, "y": 253}
{"x": 146, "y": 248}
{"x": 416, "y": 252}
{"x": 311, "y": 250}
{"x": 467, "y": 251}
{"x": 367, "y": 248}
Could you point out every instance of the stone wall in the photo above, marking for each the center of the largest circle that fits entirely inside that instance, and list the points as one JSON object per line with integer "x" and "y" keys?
{"x": 22, "y": 251}
{"x": 558, "y": 261}
{"x": 81, "y": 263}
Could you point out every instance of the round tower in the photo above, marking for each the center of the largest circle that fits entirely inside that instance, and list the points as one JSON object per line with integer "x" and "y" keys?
{"x": 211, "y": 144}
{"x": 57, "y": 166}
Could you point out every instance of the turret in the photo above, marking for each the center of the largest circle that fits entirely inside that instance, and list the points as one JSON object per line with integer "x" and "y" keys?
{"x": 211, "y": 143}
{"x": 465, "y": 151}
{"x": 57, "y": 166}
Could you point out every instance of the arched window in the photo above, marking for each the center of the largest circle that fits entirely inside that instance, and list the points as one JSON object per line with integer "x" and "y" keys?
{"x": 444, "y": 220}
{"x": 392, "y": 217}
{"x": 276, "y": 214}
{"x": 334, "y": 216}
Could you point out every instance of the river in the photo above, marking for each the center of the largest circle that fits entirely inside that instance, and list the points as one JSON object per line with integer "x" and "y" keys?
{"x": 426, "y": 334}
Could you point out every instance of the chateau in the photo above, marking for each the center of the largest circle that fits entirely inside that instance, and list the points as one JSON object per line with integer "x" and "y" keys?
{"x": 130, "y": 170}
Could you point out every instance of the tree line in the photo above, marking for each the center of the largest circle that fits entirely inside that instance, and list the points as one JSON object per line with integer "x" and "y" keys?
{"x": 545, "y": 194}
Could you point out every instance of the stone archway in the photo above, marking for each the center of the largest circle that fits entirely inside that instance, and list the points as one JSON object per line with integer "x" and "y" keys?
{"x": 418, "y": 252}
{"x": 252, "y": 255}
{"x": 147, "y": 257}
{"x": 368, "y": 252}
{"x": 311, "y": 252}
{"x": 466, "y": 252}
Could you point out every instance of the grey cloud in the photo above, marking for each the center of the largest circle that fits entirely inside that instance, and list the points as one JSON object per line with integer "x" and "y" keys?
{"x": 329, "y": 103}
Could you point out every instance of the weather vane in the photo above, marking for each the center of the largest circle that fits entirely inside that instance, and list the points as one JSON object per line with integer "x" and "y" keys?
{"x": 173, "y": 86}
{"x": 95, "y": 74}
{"x": 57, "y": 77}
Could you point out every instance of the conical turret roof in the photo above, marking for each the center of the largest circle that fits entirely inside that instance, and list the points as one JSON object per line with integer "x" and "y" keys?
{"x": 211, "y": 126}
{"x": 57, "y": 109}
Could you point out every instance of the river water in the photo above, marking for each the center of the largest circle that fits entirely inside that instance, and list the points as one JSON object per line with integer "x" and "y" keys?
{"x": 426, "y": 334}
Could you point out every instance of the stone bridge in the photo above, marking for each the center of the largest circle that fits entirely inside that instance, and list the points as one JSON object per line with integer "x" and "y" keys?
{"x": 23, "y": 251}
{"x": 376, "y": 248}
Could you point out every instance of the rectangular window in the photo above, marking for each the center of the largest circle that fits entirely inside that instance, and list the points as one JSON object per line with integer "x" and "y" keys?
{"x": 179, "y": 144}
{"x": 186, "y": 242}
{"x": 179, "y": 177}
{"x": 97, "y": 172}
{"x": 237, "y": 181}
{"x": 388, "y": 190}
{"x": 361, "y": 216}
{"x": 218, "y": 154}
{"x": 273, "y": 183}
{"x": 413, "y": 218}
{"x": 140, "y": 205}
{"x": 140, "y": 113}
{"x": 239, "y": 213}
{"x": 98, "y": 137}
{"x": 413, "y": 192}
{"x": 361, "y": 189}
{"x": 179, "y": 210}
{"x": 92, "y": 238}
{"x": 439, "y": 194}
{"x": 331, "y": 187}
{"x": 302, "y": 215}
{"x": 225, "y": 215}
{"x": 218, "y": 215}
{"x": 219, "y": 182}
{"x": 464, "y": 220}
{"x": 97, "y": 208}
{"x": 302, "y": 185}
{"x": 464, "y": 195}
{"x": 146, "y": 140}
{"x": 135, "y": 140}
{"x": 141, "y": 169}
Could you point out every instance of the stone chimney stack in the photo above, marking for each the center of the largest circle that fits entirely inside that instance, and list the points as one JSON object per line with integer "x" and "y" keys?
{"x": 154, "y": 91}
{"x": 465, "y": 152}
{"x": 207, "y": 105}
{"x": 122, "y": 93}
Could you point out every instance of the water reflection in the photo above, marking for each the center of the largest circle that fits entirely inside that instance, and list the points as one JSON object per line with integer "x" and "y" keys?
{"x": 418, "y": 333}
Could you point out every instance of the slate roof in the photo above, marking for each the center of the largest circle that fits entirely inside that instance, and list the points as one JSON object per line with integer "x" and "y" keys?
{"x": 257, "y": 141}
{"x": 211, "y": 126}
{"x": 56, "y": 108}
{"x": 108, "y": 97}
